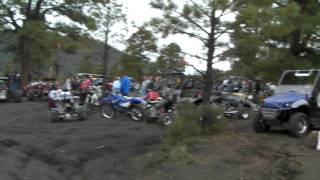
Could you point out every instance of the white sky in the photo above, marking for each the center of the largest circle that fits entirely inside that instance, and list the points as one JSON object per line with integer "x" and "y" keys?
{"x": 139, "y": 11}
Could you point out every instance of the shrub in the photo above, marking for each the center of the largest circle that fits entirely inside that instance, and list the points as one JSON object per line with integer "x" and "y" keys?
{"x": 186, "y": 129}
{"x": 217, "y": 122}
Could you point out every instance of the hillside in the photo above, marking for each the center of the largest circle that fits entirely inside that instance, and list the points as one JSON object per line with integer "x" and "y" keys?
{"x": 69, "y": 63}
{"x": 5, "y": 56}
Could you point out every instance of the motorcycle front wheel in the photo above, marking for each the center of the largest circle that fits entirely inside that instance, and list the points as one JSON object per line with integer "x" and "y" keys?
{"x": 107, "y": 111}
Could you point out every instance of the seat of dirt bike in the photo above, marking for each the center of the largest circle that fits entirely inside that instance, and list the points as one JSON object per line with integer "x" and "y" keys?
{"x": 127, "y": 97}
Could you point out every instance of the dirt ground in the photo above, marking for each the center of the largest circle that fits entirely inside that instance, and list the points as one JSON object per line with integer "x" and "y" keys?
{"x": 33, "y": 148}
{"x": 241, "y": 154}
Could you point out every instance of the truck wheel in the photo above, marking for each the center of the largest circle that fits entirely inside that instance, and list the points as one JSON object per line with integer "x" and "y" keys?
{"x": 299, "y": 125}
{"x": 258, "y": 124}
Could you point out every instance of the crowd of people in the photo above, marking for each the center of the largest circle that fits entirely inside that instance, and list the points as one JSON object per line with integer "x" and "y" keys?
{"x": 245, "y": 85}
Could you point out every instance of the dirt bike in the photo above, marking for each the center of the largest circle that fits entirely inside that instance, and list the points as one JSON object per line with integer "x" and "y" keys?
{"x": 114, "y": 104}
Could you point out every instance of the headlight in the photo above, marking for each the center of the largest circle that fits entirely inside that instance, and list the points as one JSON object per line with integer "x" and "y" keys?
{"x": 287, "y": 104}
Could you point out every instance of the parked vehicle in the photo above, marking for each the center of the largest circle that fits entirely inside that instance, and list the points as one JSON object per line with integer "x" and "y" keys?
{"x": 7, "y": 93}
{"x": 295, "y": 105}
{"x": 4, "y": 90}
{"x": 168, "y": 117}
{"x": 34, "y": 91}
{"x": 66, "y": 106}
{"x": 39, "y": 89}
{"x": 234, "y": 105}
{"x": 159, "y": 110}
{"x": 113, "y": 104}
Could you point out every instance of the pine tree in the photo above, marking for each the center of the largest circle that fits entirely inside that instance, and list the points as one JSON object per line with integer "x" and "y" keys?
{"x": 25, "y": 17}
{"x": 271, "y": 36}
{"x": 139, "y": 47}
{"x": 200, "y": 20}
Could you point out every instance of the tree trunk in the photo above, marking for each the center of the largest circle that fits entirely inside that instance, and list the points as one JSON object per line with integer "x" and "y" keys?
{"x": 57, "y": 64}
{"x": 24, "y": 58}
{"x": 106, "y": 58}
{"x": 207, "y": 90}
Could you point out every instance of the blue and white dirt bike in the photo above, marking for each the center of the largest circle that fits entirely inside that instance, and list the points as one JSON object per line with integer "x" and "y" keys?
{"x": 113, "y": 104}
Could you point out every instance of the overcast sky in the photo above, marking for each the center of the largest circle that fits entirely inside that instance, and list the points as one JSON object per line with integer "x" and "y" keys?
{"x": 139, "y": 11}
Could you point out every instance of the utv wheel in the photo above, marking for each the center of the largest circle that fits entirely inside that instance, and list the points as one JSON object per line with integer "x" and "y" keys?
{"x": 299, "y": 125}
{"x": 258, "y": 124}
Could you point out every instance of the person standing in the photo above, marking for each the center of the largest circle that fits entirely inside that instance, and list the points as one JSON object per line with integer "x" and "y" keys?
{"x": 116, "y": 85}
{"x": 125, "y": 85}
{"x": 84, "y": 87}
{"x": 68, "y": 85}
{"x": 14, "y": 83}
{"x": 144, "y": 86}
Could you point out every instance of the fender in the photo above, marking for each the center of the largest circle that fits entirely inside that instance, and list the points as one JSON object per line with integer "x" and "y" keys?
{"x": 107, "y": 100}
{"x": 300, "y": 103}
{"x": 136, "y": 101}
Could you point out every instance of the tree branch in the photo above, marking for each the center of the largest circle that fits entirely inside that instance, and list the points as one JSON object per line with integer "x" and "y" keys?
{"x": 202, "y": 73}
{"x": 198, "y": 7}
{"x": 28, "y": 8}
{"x": 204, "y": 40}
{"x": 223, "y": 13}
{"x": 10, "y": 14}
{"x": 38, "y": 6}
{"x": 220, "y": 33}
{"x": 191, "y": 21}
{"x": 195, "y": 56}
{"x": 316, "y": 34}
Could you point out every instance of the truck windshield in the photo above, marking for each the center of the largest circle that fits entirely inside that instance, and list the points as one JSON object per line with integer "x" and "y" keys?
{"x": 291, "y": 78}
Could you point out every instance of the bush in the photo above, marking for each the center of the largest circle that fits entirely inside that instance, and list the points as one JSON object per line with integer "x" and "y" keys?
{"x": 217, "y": 123}
{"x": 186, "y": 129}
